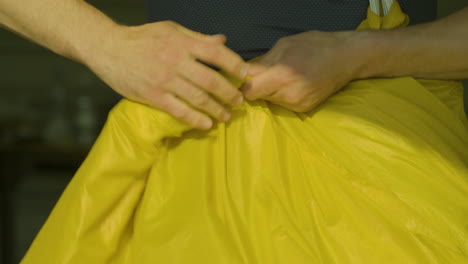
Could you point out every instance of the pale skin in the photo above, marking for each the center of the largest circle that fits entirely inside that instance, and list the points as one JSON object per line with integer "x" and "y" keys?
{"x": 157, "y": 64}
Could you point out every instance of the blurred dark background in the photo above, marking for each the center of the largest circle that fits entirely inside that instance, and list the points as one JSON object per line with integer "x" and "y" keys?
{"x": 51, "y": 110}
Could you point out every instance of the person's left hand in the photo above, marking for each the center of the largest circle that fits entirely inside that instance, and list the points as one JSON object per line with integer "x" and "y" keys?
{"x": 303, "y": 70}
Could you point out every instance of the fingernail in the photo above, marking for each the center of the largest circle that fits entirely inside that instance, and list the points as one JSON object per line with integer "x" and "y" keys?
{"x": 244, "y": 70}
{"x": 207, "y": 124}
{"x": 239, "y": 100}
{"x": 226, "y": 116}
{"x": 219, "y": 36}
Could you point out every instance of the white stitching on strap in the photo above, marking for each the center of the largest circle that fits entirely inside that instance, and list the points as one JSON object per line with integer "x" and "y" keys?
{"x": 386, "y": 5}
{"x": 375, "y": 6}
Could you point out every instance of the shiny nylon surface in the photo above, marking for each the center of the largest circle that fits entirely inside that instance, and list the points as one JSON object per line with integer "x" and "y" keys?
{"x": 376, "y": 174}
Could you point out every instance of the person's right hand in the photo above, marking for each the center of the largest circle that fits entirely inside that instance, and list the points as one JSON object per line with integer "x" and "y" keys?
{"x": 158, "y": 64}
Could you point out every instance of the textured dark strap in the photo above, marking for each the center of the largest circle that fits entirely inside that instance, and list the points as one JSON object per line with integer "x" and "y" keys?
{"x": 253, "y": 26}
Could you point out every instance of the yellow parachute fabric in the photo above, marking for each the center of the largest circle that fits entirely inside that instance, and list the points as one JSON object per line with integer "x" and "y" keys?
{"x": 376, "y": 174}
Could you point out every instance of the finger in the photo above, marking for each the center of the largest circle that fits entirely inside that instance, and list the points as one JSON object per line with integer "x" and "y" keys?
{"x": 199, "y": 99}
{"x": 264, "y": 84}
{"x": 295, "y": 98}
{"x": 181, "y": 111}
{"x": 219, "y": 56}
{"x": 186, "y": 31}
{"x": 291, "y": 95}
{"x": 212, "y": 82}
{"x": 256, "y": 69}
{"x": 292, "y": 107}
{"x": 220, "y": 38}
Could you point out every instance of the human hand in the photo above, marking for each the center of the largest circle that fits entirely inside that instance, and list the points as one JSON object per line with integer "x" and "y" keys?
{"x": 158, "y": 64}
{"x": 303, "y": 70}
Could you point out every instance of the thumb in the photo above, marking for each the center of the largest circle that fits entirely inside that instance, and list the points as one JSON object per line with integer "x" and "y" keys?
{"x": 198, "y": 35}
{"x": 221, "y": 38}
{"x": 191, "y": 33}
{"x": 256, "y": 69}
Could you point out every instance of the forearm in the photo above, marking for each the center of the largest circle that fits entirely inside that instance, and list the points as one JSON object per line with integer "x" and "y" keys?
{"x": 437, "y": 50}
{"x": 71, "y": 28}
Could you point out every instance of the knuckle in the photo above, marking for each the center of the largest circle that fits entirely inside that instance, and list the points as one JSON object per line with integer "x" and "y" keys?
{"x": 308, "y": 105}
{"x": 172, "y": 56}
{"x": 209, "y": 81}
{"x": 215, "y": 111}
{"x": 166, "y": 26}
{"x": 200, "y": 121}
{"x": 219, "y": 112}
{"x": 160, "y": 82}
{"x": 211, "y": 52}
{"x": 179, "y": 113}
{"x": 154, "y": 98}
{"x": 287, "y": 71}
{"x": 292, "y": 98}
{"x": 201, "y": 99}
{"x": 302, "y": 108}
{"x": 252, "y": 94}
{"x": 233, "y": 98}
{"x": 162, "y": 103}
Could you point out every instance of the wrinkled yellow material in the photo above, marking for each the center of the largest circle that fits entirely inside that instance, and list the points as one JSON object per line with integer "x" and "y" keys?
{"x": 377, "y": 174}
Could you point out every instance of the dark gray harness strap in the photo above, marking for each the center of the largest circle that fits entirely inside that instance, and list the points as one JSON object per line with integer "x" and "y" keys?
{"x": 253, "y": 26}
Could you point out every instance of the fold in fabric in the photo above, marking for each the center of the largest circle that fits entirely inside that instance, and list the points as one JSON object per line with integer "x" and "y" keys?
{"x": 376, "y": 174}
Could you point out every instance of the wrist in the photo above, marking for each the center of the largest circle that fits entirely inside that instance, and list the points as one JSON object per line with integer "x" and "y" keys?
{"x": 99, "y": 46}
{"x": 368, "y": 51}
